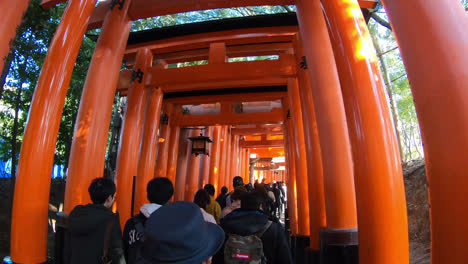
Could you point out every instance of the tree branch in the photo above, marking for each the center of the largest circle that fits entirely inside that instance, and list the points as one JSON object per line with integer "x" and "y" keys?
{"x": 289, "y": 10}
{"x": 399, "y": 77}
{"x": 381, "y": 21}
{"x": 390, "y": 50}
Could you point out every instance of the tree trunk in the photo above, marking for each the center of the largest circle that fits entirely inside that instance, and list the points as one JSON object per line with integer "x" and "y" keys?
{"x": 388, "y": 85}
{"x": 14, "y": 137}
{"x": 6, "y": 69}
{"x": 69, "y": 143}
{"x": 14, "y": 134}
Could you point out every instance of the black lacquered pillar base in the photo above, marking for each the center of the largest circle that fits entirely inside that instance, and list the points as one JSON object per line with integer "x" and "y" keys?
{"x": 339, "y": 246}
{"x": 299, "y": 248}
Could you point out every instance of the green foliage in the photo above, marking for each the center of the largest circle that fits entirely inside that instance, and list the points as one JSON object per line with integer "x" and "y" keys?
{"x": 207, "y": 15}
{"x": 31, "y": 46}
{"x": 407, "y": 122}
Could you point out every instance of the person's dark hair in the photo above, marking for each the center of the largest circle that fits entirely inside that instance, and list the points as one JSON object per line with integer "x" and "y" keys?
{"x": 202, "y": 198}
{"x": 238, "y": 193}
{"x": 237, "y": 181}
{"x": 209, "y": 189}
{"x": 262, "y": 191}
{"x": 251, "y": 201}
{"x": 159, "y": 190}
{"x": 100, "y": 189}
{"x": 249, "y": 187}
{"x": 224, "y": 190}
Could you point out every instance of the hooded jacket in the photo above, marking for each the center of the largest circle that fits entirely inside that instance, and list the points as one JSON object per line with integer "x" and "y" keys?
{"x": 87, "y": 225}
{"x": 247, "y": 222}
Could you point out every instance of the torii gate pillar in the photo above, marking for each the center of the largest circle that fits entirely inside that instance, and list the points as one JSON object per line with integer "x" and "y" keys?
{"x": 434, "y": 47}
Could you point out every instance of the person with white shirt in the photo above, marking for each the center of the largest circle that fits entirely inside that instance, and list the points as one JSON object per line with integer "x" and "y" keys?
{"x": 159, "y": 192}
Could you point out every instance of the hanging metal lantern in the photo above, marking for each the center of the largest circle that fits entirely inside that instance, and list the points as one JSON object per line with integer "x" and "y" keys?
{"x": 200, "y": 145}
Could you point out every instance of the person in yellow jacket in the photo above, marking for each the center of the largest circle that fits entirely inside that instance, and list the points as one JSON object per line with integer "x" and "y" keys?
{"x": 213, "y": 207}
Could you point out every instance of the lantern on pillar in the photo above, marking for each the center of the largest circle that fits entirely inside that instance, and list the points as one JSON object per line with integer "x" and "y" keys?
{"x": 200, "y": 145}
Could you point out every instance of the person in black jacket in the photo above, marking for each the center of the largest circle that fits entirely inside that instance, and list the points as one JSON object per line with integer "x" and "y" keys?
{"x": 159, "y": 191}
{"x": 221, "y": 199}
{"x": 93, "y": 229}
{"x": 250, "y": 219}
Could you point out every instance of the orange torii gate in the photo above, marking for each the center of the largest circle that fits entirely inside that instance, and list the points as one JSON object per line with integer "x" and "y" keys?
{"x": 339, "y": 140}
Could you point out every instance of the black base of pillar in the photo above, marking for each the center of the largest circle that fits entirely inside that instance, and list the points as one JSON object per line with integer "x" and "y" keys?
{"x": 299, "y": 246}
{"x": 313, "y": 256}
{"x": 339, "y": 246}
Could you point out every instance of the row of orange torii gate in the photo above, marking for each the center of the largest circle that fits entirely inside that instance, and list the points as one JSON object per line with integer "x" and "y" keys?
{"x": 348, "y": 172}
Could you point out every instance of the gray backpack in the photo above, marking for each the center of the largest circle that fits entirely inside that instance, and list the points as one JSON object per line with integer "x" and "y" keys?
{"x": 245, "y": 249}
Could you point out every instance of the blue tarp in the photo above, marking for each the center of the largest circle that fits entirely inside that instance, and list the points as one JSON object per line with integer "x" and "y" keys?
{"x": 5, "y": 169}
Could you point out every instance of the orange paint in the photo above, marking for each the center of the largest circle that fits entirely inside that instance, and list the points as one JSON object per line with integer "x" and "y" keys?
{"x": 268, "y": 153}
{"x": 233, "y": 156}
{"x": 340, "y": 199}
{"x": 380, "y": 193}
{"x": 173, "y": 153}
{"x": 221, "y": 72}
{"x": 205, "y": 177}
{"x": 242, "y": 163}
{"x": 291, "y": 179}
{"x": 184, "y": 153}
{"x": 435, "y": 60}
{"x": 317, "y": 216}
{"x": 193, "y": 172}
{"x": 12, "y": 14}
{"x": 227, "y": 176}
{"x": 130, "y": 139}
{"x": 163, "y": 145}
{"x": 223, "y": 158}
{"x": 31, "y": 198}
{"x": 90, "y": 137}
{"x": 215, "y": 159}
{"x": 247, "y": 166}
{"x": 296, "y": 134}
{"x": 148, "y": 146}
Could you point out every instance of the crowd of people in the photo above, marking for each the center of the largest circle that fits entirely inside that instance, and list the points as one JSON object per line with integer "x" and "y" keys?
{"x": 241, "y": 226}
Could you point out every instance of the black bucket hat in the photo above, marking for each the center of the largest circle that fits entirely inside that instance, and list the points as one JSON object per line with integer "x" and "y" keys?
{"x": 177, "y": 233}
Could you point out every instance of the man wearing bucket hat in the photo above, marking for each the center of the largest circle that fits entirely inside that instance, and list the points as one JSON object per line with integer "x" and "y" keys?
{"x": 177, "y": 233}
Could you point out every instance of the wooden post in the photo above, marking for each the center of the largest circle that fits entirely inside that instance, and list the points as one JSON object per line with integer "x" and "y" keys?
{"x": 296, "y": 134}
{"x": 435, "y": 59}
{"x": 205, "y": 178}
{"x": 12, "y": 13}
{"x": 233, "y": 156}
{"x": 215, "y": 158}
{"x": 340, "y": 200}
{"x": 223, "y": 158}
{"x": 182, "y": 164}
{"x": 148, "y": 146}
{"x": 193, "y": 172}
{"x": 227, "y": 176}
{"x": 173, "y": 153}
{"x": 130, "y": 138}
{"x": 317, "y": 214}
{"x": 380, "y": 193}
{"x": 247, "y": 166}
{"x": 31, "y": 198}
{"x": 88, "y": 149}
{"x": 242, "y": 163}
{"x": 291, "y": 179}
{"x": 163, "y": 141}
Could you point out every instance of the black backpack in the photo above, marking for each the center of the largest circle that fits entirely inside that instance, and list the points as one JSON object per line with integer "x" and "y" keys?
{"x": 134, "y": 249}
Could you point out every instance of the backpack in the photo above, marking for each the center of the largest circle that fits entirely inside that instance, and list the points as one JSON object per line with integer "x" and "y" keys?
{"x": 134, "y": 250}
{"x": 245, "y": 249}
